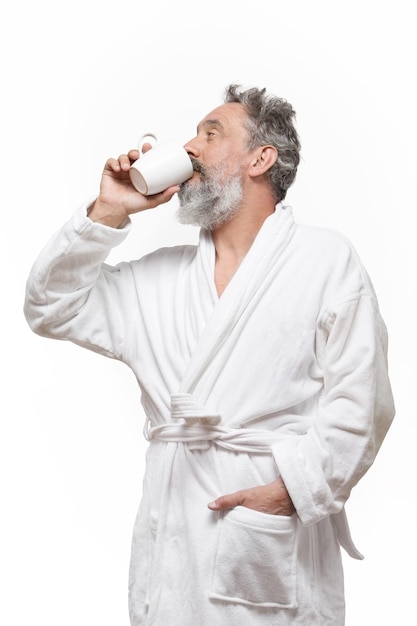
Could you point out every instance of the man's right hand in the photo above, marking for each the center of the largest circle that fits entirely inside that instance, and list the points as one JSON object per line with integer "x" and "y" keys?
{"x": 118, "y": 198}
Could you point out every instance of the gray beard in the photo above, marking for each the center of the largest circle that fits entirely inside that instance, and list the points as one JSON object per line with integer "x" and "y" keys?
{"x": 211, "y": 201}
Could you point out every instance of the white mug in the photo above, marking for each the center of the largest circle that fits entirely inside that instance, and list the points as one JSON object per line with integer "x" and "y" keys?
{"x": 166, "y": 164}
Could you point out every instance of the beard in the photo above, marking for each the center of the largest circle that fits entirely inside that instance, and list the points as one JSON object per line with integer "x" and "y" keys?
{"x": 212, "y": 200}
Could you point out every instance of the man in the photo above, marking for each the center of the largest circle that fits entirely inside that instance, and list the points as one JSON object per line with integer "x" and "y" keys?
{"x": 261, "y": 358}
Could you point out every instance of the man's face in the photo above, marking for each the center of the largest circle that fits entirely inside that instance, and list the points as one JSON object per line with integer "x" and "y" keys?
{"x": 221, "y": 138}
{"x": 219, "y": 154}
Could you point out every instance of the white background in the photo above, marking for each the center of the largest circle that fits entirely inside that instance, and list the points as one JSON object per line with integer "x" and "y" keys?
{"x": 80, "y": 82}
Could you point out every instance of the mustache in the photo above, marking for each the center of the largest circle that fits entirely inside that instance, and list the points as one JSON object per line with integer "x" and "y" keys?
{"x": 198, "y": 167}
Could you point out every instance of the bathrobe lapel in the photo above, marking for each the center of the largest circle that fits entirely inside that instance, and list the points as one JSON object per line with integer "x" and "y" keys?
{"x": 253, "y": 277}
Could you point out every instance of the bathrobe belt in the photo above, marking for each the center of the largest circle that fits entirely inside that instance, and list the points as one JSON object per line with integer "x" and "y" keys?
{"x": 195, "y": 425}
{"x": 201, "y": 435}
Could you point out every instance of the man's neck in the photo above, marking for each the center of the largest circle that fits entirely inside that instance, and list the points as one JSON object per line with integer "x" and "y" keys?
{"x": 233, "y": 240}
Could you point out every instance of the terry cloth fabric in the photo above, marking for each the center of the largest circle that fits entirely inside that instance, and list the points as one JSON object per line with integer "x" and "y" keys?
{"x": 284, "y": 374}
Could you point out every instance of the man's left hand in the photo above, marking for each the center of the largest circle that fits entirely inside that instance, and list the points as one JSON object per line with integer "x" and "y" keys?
{"x": 272, "y": 498}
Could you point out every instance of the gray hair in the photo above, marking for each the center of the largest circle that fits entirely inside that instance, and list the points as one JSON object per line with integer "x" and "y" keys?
{"x": 270, "y": 122}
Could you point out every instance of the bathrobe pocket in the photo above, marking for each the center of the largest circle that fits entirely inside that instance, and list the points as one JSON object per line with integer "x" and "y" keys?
{"x": 255, "y": 562}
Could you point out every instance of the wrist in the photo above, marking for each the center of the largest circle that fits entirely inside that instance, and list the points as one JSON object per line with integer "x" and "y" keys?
{"x": 105, "y": 214}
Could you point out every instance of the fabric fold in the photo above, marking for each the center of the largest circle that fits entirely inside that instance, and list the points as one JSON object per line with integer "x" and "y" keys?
{"x": 183, "y": 406}
{"x": 251, "y": 280}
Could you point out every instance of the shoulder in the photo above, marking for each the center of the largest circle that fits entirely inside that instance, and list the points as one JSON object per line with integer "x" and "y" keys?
{"x": 330, "y": 255}
{"x": 314, "y": 236}
{"x": 326, "y": 244}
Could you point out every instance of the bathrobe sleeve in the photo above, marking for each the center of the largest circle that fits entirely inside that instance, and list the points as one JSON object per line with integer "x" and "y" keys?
{"x": 321, "y": 466}
{"x": 70, "y": 293}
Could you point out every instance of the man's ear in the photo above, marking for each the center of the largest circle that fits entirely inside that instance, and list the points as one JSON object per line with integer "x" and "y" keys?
{"x": 263, "y": 159}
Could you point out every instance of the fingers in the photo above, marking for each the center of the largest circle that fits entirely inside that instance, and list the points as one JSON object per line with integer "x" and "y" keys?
{"x": 133, "y": 155}
{"x": 146, "y": 147}
{"x": 161, "y": 198}
{"x": 123, "y": 163}
{"x": 272, "y": 498}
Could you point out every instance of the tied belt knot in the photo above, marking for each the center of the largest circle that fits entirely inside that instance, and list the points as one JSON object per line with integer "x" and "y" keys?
{"x": 193, "y": 424}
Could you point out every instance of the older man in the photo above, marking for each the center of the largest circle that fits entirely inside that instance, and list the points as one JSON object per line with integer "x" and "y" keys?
{"x": 261, "y": 359}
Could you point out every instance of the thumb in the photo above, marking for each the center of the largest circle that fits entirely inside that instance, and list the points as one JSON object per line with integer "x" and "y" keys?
{"x": 225, "y": 502}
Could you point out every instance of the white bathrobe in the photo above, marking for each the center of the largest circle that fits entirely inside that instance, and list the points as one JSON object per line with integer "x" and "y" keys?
{"x": 284, "y": 374}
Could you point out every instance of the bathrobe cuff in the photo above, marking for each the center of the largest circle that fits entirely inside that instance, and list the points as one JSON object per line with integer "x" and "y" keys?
{"x": 310, "y": 508}
{"x": 101, "y": 233}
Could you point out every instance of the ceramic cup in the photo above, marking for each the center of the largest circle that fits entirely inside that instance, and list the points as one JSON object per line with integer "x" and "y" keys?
{"x": 166, "y": 164}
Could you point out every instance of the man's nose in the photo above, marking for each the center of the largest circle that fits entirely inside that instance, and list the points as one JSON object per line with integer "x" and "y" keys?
{"x": 192, "y": 148}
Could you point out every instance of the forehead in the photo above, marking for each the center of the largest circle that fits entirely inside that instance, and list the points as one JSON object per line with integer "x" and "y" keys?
{"x": 231, "y": 115}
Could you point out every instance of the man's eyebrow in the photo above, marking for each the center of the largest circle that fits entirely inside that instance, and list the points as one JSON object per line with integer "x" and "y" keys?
{"x": 212, "y": 122}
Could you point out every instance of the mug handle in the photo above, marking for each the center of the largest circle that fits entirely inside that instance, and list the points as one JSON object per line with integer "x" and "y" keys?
{"x": 150, "y": 138}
